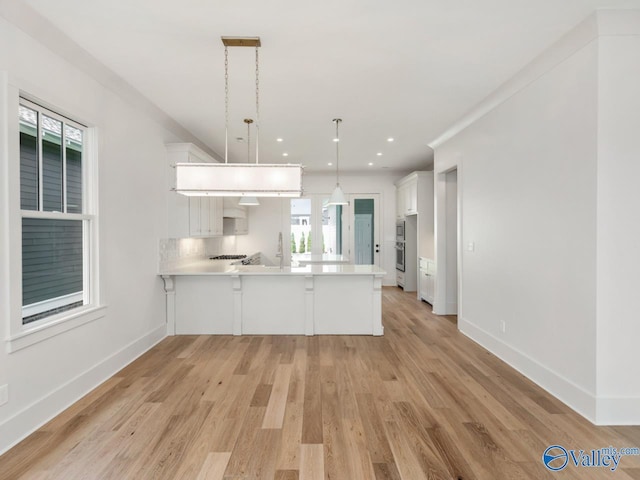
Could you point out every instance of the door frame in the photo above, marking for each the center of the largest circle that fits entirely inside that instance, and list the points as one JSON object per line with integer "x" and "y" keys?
{"x": 440, "y": 297}
{"x": 350, "y": 223}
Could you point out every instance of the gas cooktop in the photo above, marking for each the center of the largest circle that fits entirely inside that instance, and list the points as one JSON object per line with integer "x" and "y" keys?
{"x": 228, "y": 257}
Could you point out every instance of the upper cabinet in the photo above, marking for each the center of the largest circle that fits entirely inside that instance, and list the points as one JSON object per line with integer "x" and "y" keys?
{"x": 205, "y": 216}
{"x": 415, "y": 196}
{"x": 191, "y": 216}
{"x": 412, "y": 192}
{"x": 235, "y": 217}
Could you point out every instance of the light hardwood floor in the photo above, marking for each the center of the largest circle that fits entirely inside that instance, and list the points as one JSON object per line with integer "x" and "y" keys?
{"x": 421, "y": 402}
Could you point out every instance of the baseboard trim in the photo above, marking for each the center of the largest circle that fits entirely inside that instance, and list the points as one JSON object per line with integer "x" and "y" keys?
{"x": 563, "y": 389}
{"x": 28, "y": 420}
{"x": 618, "y": 411}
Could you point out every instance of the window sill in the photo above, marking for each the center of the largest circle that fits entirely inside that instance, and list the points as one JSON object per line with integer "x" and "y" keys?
{"x": 67, "y": 321}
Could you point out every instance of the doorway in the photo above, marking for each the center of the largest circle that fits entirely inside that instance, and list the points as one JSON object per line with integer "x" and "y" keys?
{"x": 448, "y": 235}
{"x": 365, "y": 237}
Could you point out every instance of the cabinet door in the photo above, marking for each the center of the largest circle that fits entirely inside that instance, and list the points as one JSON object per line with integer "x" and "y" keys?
{"x": 215, "y": 216}
{"x": 411, "y": 195}
{"x": 242, "y": 226}
{"x": 430, "y": 288}
{"x": 205, "y": 221}
{"x": 424, "y": 280}
{"x": 195, "y": 224}
{"x": 401, "y": 201}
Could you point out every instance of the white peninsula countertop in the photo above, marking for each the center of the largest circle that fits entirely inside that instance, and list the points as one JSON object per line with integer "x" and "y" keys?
{"x": 222, "y": 267}
{"x": 215, "y": 297}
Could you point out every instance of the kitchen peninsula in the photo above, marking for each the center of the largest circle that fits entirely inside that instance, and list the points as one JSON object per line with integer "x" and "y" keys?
{"x": 205, "y": 297}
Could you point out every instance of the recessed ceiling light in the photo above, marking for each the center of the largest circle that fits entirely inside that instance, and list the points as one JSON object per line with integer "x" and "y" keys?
{"x": 336, "y": 139}
{"x": 330, "y": 164}
{"x": 379, "y": 154}
{"x": 285, "y": 154}
{"x": 390, "y": 139}
{"x": 370, "y": 163}
{"x": 278, "y": 139}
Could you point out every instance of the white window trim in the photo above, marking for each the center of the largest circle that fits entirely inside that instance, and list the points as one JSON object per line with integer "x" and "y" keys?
{"x": 52, "y": 303}
{"x": 20, "y": 335}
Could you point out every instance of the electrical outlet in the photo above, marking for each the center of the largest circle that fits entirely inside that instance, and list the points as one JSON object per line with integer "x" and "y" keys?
{"x": 4, "y": 394}
{"x": 503, "y": 326}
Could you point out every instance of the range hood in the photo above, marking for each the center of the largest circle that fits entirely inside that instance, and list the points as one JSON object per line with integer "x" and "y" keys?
{"x": 231, "y": 209}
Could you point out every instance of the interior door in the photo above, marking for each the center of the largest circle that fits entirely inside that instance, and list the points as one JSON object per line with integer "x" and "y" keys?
{"x": 364, "y": 229}
{"x": 363, "y": 244}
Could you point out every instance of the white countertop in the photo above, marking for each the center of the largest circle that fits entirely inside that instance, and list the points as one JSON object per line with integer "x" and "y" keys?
{"x": 224, "y": 267}
{"x": 321, "y": 259}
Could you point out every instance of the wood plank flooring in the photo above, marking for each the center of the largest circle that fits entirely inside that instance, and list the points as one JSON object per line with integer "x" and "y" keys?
{"x": 422, "y": 402}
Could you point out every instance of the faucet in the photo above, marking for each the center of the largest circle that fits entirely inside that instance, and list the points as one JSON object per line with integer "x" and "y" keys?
{"x": 280, "y": 253}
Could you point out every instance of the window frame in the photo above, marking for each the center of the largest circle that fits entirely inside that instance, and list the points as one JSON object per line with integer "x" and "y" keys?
{"x": 23, "y": 335}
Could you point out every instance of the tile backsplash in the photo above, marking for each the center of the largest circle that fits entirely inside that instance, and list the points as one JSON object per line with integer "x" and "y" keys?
{"x": 176, "y": 251}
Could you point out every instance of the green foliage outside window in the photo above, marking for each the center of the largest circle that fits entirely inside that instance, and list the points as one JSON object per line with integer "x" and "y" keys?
{"x": 302, "y": 244}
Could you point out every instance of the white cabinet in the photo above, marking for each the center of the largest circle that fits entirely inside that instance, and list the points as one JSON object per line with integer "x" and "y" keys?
{"x": 205, "y": 216}
{"x": 411, "y": 197}
{"x": 236, "y": 226}
{"x": 191, "y": 216}
{"x": 427, "y": 280}
{"x": 401, "y": 201}
{"x": 236, "y": 220}
{"x": 414, "y": 196}
{"x": 407, "y": 194}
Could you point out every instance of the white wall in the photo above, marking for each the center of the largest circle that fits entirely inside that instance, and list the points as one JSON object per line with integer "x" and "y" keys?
{"x": 265, "y": 221}
{"x": 618, "y": 283}
{"x": 527, "y": 180}
{"x": 549, "y": 196}
{"x": 48, "y": 376}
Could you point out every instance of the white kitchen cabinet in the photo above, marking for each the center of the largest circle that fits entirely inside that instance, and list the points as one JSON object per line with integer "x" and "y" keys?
{"x": 236, "y": 226}
{"x": 205, "y": 216}
{"x": 411, "y": 197}
{"x": 427, "y": 280}
{"x": 236, "y": 220}
{"x": 191, "y": 216}
{"x": 407, "y": 193}
{"x": 414, "y": 196}
{"x": 401, "y": 200}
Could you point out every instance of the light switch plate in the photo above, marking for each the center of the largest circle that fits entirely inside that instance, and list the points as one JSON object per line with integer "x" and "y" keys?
{"x": 471, "y": 246}
{"x": 4, "y": 394}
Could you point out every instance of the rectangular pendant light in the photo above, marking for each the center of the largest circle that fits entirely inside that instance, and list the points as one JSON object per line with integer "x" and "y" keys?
{"x": 235, "y": 180}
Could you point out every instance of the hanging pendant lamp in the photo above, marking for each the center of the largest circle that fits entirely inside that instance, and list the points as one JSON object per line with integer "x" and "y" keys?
{"x": 337, "y": 197}
{"x": 239, "y": 179}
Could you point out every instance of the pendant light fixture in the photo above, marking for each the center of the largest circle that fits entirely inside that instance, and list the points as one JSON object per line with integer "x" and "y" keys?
{"x": 239, "y": 179}
{"x": 337, "y": 197}
{"x": 246, "y": 200}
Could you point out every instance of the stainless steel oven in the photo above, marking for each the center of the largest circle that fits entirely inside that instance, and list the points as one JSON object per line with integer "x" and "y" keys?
{"x": 400, "y": 247}
{"x": 400, "y": 231}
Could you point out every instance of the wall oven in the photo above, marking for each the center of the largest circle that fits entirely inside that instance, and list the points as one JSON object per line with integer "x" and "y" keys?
{"x": 400, "y": 257}
{"x": 400, "y": 231}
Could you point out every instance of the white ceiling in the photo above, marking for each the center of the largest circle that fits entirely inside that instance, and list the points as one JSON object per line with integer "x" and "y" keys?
{"x": 405, "y": 68}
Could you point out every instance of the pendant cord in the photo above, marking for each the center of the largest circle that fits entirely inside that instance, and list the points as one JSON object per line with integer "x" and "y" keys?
{"x": 257, "y": 104}
{"x": 248, "y": 122}
{"x": 226, "y": 104}
{"x": 337, "y": 140}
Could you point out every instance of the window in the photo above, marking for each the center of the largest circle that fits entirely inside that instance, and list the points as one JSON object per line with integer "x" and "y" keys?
{"x": 316, "y": 227}
{"x": 56, "y": 222}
